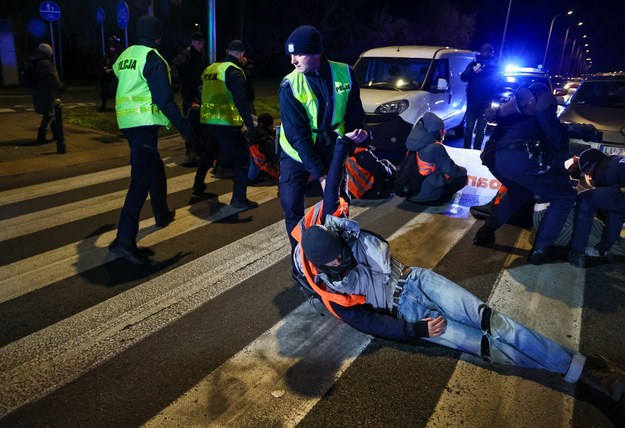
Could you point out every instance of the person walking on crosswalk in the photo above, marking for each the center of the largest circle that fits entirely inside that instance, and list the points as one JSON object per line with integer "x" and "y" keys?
{"x": 144, "y": 102}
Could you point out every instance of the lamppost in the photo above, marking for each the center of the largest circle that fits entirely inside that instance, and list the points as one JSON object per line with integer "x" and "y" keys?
{"x": 505, "y": 28}
{"x": 570, "y": 12}
{"x": 572, "y": 51}
{"x": 566, "y": 36}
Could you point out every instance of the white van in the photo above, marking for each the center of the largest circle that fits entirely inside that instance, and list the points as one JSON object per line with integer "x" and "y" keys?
{"x": 398, "y": 84}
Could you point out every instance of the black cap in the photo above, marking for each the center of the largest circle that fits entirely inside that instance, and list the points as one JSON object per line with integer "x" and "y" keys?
{"x": 197, "y": 36}
{"x": 149, "y": 27}
{"x": 589, "y": 157}
{"x": 304, "y": 40}
{"x": 236, "y": 45}
{"x": 321, "y": 245}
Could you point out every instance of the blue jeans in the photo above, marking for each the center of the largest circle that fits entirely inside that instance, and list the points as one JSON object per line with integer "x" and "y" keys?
{"x": 428, "y": 294}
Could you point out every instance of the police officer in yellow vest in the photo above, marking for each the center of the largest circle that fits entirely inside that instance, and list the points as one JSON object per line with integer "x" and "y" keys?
{"x": 224, "y": 110}
{"x": 143, "y": 104}
{"x": 319, "y": 101}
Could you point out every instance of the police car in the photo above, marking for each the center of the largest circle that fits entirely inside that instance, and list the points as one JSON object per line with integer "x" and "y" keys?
{"x": 513, "y": 78}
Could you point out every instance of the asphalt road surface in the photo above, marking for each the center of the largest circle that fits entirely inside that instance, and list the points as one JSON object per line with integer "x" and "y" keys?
{"x": 215, "y": 333}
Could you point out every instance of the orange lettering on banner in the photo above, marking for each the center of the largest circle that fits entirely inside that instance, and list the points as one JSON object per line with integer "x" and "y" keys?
{"x": 494, "y": 184}
{"x": 471, "y": 180}
{"x": 483, "y": 182}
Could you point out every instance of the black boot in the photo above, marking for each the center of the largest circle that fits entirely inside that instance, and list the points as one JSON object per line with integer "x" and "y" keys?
{"x": 604, "y": 376}
{"x": 41, "y": 136}
{"x": 537, "y": 256}
{"x": 484, "y": 236}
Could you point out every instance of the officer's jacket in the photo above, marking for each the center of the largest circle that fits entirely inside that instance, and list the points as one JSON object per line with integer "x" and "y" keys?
{"x": 133, "y": 103}
{"x": 218, "y": 106}
{"x": 610, "y": 171}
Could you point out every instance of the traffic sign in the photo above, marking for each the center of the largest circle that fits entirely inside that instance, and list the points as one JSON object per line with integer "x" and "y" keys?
{"x": 99, "y": 16}
{"x": 123, "y": 15}
{"x": 50, "y": 11}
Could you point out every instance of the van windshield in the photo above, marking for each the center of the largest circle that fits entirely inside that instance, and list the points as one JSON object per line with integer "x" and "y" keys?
{"x": 399, "y": 74}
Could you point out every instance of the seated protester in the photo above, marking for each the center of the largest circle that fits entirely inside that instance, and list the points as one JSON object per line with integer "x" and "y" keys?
{"x": 442, "y": 177}
{"x": 369, "y": 177}
{"x": 607, "y": 175}
{"x": 353, "y": 274}
{"x": 262, "y": 149}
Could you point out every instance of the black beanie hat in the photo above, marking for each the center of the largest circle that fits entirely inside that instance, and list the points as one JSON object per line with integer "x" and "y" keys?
{"x": 321, "y": 245}
{"x": 589, "y": 157}
{"x": 197, "y": 36}
{"x": 432, "y": 122}
{"x": 149, "y": 27}
{"x": 236, "y": 45}
{"x": 304, "y": 40}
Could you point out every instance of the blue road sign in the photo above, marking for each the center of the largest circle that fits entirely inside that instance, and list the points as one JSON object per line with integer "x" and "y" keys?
{"x": 123, "y": 15}
{"x": 50, "y": 11}
{"x": 99, "y": 16}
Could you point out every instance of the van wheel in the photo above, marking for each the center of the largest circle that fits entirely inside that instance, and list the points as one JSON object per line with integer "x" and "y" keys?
{"x": 459, "y": 130}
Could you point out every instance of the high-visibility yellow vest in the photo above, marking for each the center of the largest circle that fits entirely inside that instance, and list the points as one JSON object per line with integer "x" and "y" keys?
{"x": 304, "y": 94}
{"x": 133, "y": 101}
{"x": 217, "y": 103}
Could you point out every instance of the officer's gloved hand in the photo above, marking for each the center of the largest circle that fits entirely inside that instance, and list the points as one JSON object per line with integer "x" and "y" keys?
{"x": 544, "y": 98}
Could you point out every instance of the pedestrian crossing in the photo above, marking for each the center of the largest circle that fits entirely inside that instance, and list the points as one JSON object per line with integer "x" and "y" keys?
{"x": 269, "y": 357}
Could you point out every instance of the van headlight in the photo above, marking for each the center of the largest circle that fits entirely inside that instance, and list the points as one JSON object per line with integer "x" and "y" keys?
{"x": 393, "y": 107}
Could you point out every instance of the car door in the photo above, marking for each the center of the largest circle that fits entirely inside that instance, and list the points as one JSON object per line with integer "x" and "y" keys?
{"x": 440, "y": 98}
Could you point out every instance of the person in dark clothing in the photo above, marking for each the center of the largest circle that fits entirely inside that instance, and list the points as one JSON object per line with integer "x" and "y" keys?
{"x": 607, "y": 176}
{"x": 225, "y": 109}
{"x": 187, "y": 69}
{"x": 46, "y": 94}
{"x": 482, "y": 77}
{"x": 526, "y": 153}
{"x": 369, "y": 177}
{"x": 144, "y": 102}
{"x": 309, "y": 129}
{"x": 443, "y": 178}
{"x": 108, "y": 81}
{"x": 248, "y": 69}
{"x": 352, "y": 272}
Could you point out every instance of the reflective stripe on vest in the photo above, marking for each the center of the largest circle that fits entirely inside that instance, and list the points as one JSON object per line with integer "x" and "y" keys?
{"x": 133, "y": 101}
{"x": 217, "y": 106}
{"x": 305, "y": 95}
{"x": 312, "y": 217}
{"x": 359, "y": 179}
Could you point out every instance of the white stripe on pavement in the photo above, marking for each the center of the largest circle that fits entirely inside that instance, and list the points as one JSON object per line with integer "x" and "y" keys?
{"x": 66, "y": 184}
{"x": 271, "y": 373}
{"x": 548, "y": 301}
{"x": 38, "y": 271}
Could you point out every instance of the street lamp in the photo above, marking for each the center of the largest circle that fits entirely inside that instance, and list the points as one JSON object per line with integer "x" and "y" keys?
{"x": 505, "y": 28}
{"x": 572, "y": 51}
{"x": 566, "y": 36}
{"x": 570, "y": 12}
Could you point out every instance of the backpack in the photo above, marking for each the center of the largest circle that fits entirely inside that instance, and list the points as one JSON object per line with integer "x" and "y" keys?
{"x": 28, "y": 75}
{"x": 408, "y": 180}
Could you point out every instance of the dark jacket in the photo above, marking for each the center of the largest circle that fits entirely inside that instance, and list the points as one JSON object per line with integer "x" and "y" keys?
{"x": 316, "y": 157}
{"x": 481, "y": 86}
{"x": 186, "y": 72}
{"x": 49, "y": 86}
{"x": 424, "y": 142}
{"x": 610, "y": 171}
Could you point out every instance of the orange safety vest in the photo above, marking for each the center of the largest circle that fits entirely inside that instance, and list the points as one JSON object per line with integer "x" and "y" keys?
{"x": 427, "y": 168}
{"x": 312, "y": 217}
{"x": 359, "y": 179}
{"x": 260, "y": 160}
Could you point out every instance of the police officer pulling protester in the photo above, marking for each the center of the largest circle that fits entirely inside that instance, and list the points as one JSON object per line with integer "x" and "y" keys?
{"x": 319, "y": 101}
{"x": 143, "y": 104}
{"x": 442, "y": 178}
{"x": 482, "y": 76}
{"x": 46, "y": 91}
{"x": 225, "y": 109}
{"x": 607, "y": 176}
{"x": 352, "y": 272}
{"x": 526, "y": 153}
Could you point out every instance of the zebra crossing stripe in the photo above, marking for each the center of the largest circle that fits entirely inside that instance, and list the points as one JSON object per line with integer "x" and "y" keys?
{"x": 529, "y": 295}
